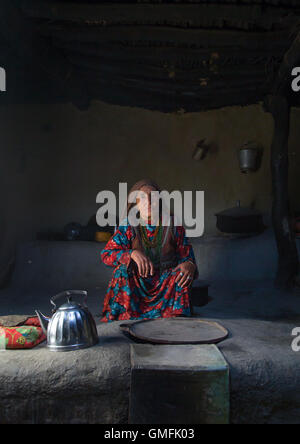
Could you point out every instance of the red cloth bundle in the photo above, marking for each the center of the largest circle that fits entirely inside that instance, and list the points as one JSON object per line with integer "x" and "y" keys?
{"x": 25, "y": 336}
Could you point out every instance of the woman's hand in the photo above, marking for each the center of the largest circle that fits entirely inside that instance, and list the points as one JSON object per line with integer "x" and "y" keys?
{"x": 145, "y": 266}
{"x": 187, "y": 271}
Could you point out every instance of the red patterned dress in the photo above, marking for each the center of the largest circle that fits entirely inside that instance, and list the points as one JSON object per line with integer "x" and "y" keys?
{"x": 130, "y": 296}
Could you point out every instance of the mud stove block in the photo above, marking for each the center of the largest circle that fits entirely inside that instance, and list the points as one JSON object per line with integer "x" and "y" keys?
{"x": 178, "y": 384}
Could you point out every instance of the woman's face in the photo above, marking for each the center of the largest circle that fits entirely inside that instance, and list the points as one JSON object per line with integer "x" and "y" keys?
{"x": 145, "y": 203}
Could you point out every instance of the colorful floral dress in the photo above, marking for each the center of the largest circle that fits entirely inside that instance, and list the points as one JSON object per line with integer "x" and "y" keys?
{"x": 130, "y": 296}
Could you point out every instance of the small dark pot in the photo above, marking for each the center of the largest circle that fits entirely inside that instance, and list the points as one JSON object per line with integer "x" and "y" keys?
{"x": 240, "y": 220}
{"x": 199, "y": 293}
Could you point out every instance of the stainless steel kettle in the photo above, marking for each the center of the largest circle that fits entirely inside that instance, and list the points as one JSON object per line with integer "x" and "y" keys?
{"x": 72, "y": 326}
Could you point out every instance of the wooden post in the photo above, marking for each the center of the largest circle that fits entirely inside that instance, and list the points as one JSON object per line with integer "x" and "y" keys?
{"x": 288, "y": 262}
{"x": 278, "y": 105}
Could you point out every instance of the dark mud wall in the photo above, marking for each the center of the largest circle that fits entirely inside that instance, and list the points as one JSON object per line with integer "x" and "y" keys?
{"x": 54, "y": 160}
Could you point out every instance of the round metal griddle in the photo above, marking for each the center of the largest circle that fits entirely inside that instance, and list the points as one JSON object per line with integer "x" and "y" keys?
{"x": 176, "y": 331}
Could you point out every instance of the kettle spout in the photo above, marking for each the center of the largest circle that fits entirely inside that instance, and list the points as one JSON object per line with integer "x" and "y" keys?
{"x": 44, "y": 321}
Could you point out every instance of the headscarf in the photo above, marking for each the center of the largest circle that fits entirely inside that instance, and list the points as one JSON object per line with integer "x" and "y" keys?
{"x": 136, "y": 187}
{"x": 140, "y": 184}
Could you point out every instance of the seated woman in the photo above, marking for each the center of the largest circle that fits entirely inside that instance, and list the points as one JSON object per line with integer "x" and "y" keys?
{"x": 154, "y": 266}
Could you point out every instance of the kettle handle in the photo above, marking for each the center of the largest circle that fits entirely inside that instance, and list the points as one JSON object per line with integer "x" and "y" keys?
{"x": 69, "y": 294}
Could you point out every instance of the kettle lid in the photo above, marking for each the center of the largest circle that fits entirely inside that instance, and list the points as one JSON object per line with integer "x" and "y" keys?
{"x": 239, "y": 212}
{"x": 70, "y": 304}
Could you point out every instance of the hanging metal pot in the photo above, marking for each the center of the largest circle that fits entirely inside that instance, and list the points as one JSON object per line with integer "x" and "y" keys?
{"x": 249, "y": 157}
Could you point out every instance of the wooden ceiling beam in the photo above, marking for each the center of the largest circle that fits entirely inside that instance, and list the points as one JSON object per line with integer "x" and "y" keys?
{"x": 158, "y": 97}
{"x": 274, "y": 3}
{"x": 242, "y": 87}
{"x": 247, "y": 17}
{"x": 169, "y": 72}
{"x": 227, "y": 55}
{"x": 162, "y": 36}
